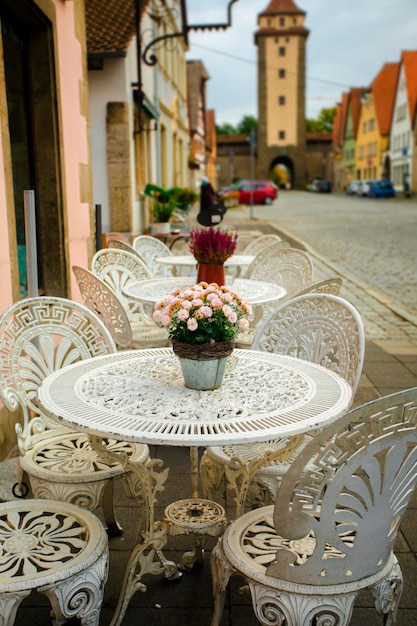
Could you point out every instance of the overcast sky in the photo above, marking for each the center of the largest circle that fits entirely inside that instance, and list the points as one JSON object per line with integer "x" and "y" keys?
{"x": 349, "y": 42}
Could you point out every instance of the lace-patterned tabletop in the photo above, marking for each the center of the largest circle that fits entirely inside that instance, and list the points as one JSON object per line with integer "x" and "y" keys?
{"x": 257, "y": 292}
{"x": 140, "y": 396}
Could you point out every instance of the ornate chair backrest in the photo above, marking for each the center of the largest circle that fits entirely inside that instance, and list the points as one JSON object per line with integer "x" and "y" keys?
{"x": 329, "y": 285}
{"x": 149, "y": 248}
{"x": 119, "y": 268}
{"x": 288, "y": 267}
{"x": 260, "y": 243}
{"x": 341, "y": 502}
{"x": 99, "y": 298}
{"x": 121, "y": 245}
{"x": 38, "y": 336}
{"x": 319, "y": 328}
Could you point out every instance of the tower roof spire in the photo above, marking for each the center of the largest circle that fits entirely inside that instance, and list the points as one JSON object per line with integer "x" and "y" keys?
{"x": 276, "y": 7}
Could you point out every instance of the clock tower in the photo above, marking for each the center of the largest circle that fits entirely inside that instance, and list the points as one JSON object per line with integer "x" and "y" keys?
{"x": 281, "y": 40}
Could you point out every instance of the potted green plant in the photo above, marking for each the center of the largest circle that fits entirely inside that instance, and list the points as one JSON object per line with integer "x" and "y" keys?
{"x": 184, "y": 197}
{"x": 163, "y": 205}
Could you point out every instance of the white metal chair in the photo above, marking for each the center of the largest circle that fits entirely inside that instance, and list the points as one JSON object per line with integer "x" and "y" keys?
{"x": 289, "y": 267}
{"x": 118, "y": 268}
{"x": 149, "y": 248}
{"x": 57, "y": 549}
{"x": 332, "y": 530}
{"x": 38, "y": 336}
{"x": 122, "y": 245}
{"x": 319, "y": 328}
{"x": 260, "y": 243}
{"x": 329, "y": 285}
{"x": 99, "y": 298}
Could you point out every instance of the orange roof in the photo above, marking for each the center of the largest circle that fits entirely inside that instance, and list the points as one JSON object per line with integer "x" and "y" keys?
{"x": 409, "y": 60}
{"x": 355, "y": 106}
{"x": 383, "y": 89}
{"x": 110, "y": 25}
{"x": 344, "y": 106}
{"x": 282, "y": 6}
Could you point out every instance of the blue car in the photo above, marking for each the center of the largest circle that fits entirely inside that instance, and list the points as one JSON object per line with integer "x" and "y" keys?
{"x": 381, "y": 189}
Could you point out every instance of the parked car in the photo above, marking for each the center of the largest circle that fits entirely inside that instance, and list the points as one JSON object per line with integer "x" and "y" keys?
{"x": 352, "y": 187}
{"x": 364, "y": 187}
{"x": 261, "y": 191}
{"x": 381, "y": 189}
{"x": 321, "y": 185}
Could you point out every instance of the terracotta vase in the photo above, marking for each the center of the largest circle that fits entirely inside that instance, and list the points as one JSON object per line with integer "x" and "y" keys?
{"x": 211, "y": 273}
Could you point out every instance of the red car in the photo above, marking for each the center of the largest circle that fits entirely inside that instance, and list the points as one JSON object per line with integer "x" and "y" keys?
{"x": 257, "y": 191}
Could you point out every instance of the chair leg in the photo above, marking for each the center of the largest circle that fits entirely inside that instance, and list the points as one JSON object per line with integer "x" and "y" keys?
{"x": 387, "y": 595}
{"x": 80, "y": 596}
{"x": 9, "y": 603}
{"x": 113, "y": 527}
{"x": 220, "y": 576}
{"x": 211, "y": 475}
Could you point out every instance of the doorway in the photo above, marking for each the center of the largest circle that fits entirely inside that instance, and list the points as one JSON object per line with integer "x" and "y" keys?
{"x": 29, "y": 69}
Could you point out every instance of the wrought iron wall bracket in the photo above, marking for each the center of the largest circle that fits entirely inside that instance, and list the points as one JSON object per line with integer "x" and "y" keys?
{"x": 149, "y": 58}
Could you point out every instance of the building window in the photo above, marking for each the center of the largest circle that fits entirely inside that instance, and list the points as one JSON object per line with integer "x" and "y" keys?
{"x": 281, "y": 100}
{"x": 282, "y": 21}
{"x": 364, "y": 127}
{"x": 281, "y": 73}
{"x": 281, "y": 134}
{"x": 281, "y": 51}
{"x": 294, "y": 20}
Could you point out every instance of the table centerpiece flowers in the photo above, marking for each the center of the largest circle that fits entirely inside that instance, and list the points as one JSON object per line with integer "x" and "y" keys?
{"x": 202, "y": 323}
{"x": 211, "y": 247}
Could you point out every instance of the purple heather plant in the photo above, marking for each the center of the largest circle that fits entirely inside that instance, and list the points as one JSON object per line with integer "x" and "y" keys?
{"x": 212, "y": 245}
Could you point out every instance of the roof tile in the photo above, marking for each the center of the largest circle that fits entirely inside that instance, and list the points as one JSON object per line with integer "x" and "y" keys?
{"x": 282, "y": 6}
{"x": 384, "y": 87}
{"x": 110, "y": 24}
{"x": 409, "y": 60}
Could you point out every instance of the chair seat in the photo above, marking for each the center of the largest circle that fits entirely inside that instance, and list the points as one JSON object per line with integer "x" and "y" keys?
{"x": 250, "y": 544}
{"x": 69, "y": 456}
{"x": 66, "y": 467}
{"x": 59, "y": 550}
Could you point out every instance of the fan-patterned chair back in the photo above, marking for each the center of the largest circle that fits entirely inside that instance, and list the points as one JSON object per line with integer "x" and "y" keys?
{"x": 332, "y": 530}
{"x": 37, "y": 337}
{"x": 319, "y": 328}
{"x": 149, "y": 248}
{"x": 99, "y": 298}
{"x": 289, "y": 267}
{"x": 260, "y": 243}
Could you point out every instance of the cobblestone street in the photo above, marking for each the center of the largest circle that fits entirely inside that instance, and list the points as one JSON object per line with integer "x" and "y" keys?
{"x": 370, "y": 243}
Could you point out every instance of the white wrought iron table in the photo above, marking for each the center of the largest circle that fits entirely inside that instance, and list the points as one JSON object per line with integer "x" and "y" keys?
{"x": 235, "y": 263}
{"x": 262, "y": 295}
{"x": 139, "y": 396}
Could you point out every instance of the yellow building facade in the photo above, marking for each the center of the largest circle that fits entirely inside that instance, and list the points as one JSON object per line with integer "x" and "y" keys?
{"x": 370, "y": 145}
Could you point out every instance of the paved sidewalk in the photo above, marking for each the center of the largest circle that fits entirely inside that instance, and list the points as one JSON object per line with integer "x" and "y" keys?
{"x": 390, "y": 365}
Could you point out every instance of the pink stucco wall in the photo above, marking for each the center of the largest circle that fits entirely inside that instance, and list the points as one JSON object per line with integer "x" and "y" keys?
{"x": 72, "y": 101}
{"x": 72, "y": 98}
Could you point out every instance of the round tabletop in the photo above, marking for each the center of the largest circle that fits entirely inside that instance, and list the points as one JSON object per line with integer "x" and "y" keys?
{"x": 155, "y": 289}
{"x": 187, "y": 260}
{"x": 139, "y": 395}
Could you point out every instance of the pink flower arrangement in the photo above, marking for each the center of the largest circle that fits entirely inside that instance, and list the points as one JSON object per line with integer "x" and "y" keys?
{"x": 204, "y": 313}
{"x": 212, "y": 245}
